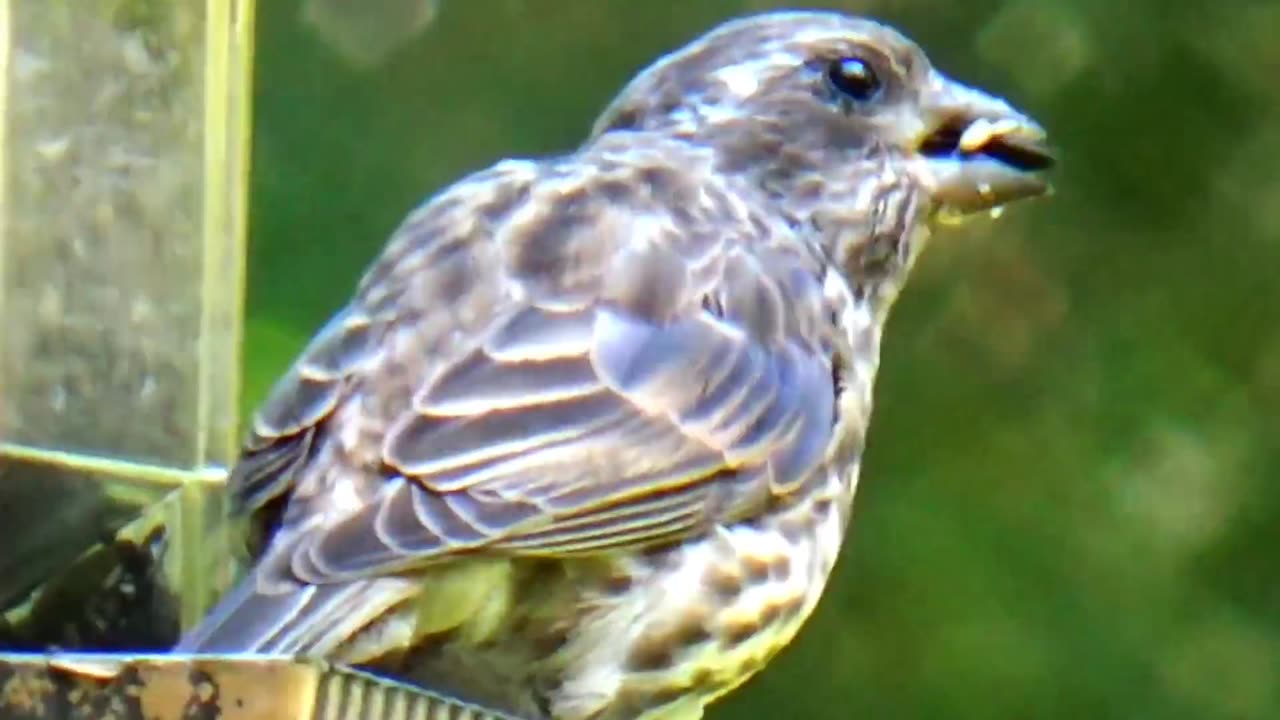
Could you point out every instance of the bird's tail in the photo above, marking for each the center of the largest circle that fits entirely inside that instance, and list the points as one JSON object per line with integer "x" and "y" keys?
{"x": 306, "y": 620}
{"x": 312, "y": 621}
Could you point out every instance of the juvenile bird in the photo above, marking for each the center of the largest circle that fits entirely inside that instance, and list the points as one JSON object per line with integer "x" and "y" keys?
{"x": 584, "y": 443}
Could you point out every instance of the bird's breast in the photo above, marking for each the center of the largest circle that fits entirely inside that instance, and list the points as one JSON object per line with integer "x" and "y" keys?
{"x": 697, "y": 619}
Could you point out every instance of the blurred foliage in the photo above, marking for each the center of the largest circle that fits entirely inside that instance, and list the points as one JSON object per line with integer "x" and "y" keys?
{"x": 1064, "y": 507}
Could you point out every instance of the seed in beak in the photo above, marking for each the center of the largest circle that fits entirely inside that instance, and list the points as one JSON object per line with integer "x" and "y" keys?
{"x": 982, "y": 131}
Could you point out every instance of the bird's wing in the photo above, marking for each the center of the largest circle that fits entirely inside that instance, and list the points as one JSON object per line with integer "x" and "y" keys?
{"x": 606, "y": 376}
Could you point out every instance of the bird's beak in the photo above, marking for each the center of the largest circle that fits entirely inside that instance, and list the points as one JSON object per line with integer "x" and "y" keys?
{"x": 979, "y": 152}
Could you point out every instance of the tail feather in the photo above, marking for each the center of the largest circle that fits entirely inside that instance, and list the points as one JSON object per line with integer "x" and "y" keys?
{"x": 343, "y": 622}
{"x": 309, "y": 620}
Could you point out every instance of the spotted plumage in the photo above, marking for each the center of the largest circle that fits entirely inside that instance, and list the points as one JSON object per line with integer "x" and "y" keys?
{"x": 584, "y": 443}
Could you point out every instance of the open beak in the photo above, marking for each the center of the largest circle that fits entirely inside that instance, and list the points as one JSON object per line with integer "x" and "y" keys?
{"x": 980, "y": 152}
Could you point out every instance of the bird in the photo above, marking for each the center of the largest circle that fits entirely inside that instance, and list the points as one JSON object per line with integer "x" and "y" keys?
{"x": 584, "y": 442}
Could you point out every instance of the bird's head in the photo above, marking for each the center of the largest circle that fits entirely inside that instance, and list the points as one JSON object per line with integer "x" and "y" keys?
{"x": 824, "y": 108}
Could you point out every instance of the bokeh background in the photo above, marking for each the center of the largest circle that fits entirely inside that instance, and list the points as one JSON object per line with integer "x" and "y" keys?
{"x": 1070, "y": 502}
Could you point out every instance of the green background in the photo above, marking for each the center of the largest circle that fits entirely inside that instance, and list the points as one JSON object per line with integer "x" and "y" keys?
{"x": 1069, "y": 504}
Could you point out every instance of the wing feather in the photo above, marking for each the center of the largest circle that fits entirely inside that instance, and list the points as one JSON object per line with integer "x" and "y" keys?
{"x": 635, "y": 454}
{"x": 648, "y": 400}
{"x": 285, "y": 426}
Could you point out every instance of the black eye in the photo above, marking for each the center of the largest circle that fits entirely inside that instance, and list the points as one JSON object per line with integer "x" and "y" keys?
{"x": 853, "y": 77}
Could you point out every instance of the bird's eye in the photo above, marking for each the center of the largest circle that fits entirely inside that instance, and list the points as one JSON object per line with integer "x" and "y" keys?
{"x": 853, "y": 77}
